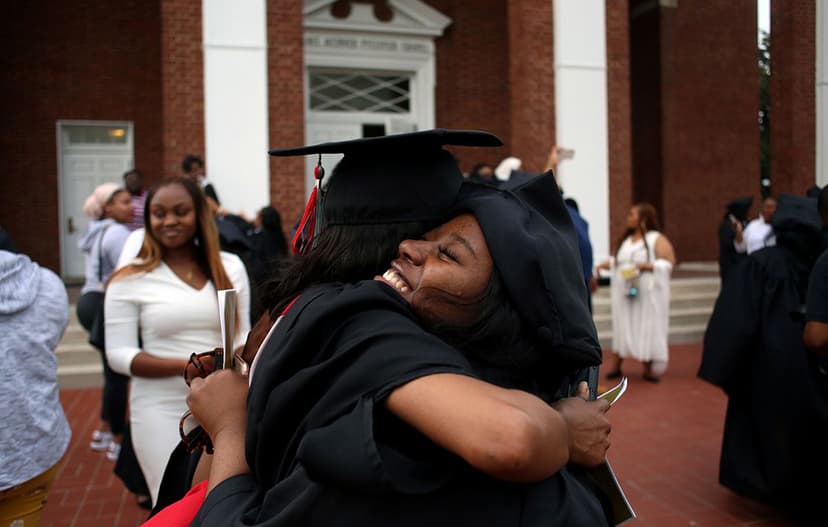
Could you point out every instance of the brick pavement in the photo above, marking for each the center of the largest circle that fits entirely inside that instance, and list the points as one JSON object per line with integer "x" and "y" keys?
{"x": 665, "y": 451}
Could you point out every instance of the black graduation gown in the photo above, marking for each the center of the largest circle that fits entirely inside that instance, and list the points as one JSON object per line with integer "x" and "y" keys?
{"x": 753, "y": 350}
{"x": 728, "y": 257}
{"x": 324, "y": 451}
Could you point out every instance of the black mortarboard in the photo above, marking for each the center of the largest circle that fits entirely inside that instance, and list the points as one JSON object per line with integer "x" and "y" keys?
{"x": 740, "y": 207}
{"x": 535, "y": 249}
{"x": 390, "y": 179}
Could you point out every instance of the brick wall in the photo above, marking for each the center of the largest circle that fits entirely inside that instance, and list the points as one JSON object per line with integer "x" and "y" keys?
{"x": 709, "y": 138}
{"x": 645, "y": 104}
{"x": 710, "y": 131}
{"x": 531, "y": 78}
{"x": 620, "y": 125}
{"x": 286, "y": 106}
{"x": 182, "y": 82}
{"x": 70, "y": 60}
{"x": 472, "y": 66}
{"x": 792, "y": 96}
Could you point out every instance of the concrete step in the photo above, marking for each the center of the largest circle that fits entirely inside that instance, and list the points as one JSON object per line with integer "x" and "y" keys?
{"x": 684, "y": 302}
{"x": 678, "y": 287}
{"x": 679, "y": 334}
{"x": 678, "y": 317}
{"x": 80, "y": 376}
{"x": 79, "y": 364}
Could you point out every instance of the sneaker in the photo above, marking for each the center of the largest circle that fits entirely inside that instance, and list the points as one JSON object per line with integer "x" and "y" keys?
{"x": 113, "y": 451}
{"x": 100, "y": 441}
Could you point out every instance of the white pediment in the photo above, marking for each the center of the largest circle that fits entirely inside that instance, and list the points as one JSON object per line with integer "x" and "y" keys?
{"x": 410, "y": 17}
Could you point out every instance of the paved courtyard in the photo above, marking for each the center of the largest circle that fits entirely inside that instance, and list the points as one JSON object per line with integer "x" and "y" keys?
{"x": 665, "y": 451}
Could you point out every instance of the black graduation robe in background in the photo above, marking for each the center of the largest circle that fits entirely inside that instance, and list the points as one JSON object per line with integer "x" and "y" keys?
{"x": 324, "y": 451}
{"x": 728, "y": 257}
{"x": 773, "y": 446}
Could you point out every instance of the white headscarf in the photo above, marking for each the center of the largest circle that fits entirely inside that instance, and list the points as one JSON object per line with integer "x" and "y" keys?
{"x": 505, "y": 168}
{"x": 93, "y": 207}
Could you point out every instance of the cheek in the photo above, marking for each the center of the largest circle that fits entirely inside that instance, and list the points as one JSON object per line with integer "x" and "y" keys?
{"x": 189, "y": 222}
{"x": 438, "y": 305}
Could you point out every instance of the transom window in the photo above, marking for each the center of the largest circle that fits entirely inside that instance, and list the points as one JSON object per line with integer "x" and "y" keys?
{"x": 359, "y": 92}
{"x": 96, "y": 135}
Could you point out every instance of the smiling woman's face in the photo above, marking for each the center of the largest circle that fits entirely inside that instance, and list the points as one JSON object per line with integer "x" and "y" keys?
{"x": 172, "y": 216}
{"x": 445, "y": 275}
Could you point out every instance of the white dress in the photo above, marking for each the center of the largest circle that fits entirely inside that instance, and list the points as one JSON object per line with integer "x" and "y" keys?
{"x": 175, "y": 320}
{"x": 640, "y": 323}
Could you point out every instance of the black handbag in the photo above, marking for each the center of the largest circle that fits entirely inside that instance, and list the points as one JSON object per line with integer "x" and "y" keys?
{"x": 97, "y": 331}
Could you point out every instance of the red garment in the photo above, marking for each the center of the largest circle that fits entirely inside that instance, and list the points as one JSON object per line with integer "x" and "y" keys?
{"x": 182, "y": 512}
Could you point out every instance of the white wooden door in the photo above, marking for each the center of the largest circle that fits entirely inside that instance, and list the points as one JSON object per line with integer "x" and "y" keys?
{"x": 84, "y": 166}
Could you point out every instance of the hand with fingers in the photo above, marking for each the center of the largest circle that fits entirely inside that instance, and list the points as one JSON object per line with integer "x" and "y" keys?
{"x": 589, "y": 427}
{"x": 219, "y": 402}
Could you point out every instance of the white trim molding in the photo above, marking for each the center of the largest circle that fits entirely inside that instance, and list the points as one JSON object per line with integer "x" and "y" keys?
{"x": 235, "y": 102}
{"x": 581, "y": 114}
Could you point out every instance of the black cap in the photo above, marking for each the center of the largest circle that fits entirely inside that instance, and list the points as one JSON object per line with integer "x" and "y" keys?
{"x": 535, "y": 249}
{"x": 740, "y": 207}
{"x": 393, "y": 178}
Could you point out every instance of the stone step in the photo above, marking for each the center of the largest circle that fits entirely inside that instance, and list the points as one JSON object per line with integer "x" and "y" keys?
{"x": 80, "y": 376}
{"x": 678, "y": 287}
{"x": 678, "y": 317}
{"x": 679, "y": 334}
{"x": 603, "y": 306}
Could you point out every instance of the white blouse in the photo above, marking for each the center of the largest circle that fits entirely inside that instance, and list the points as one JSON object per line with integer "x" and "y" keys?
{"x": 174, "y": 318}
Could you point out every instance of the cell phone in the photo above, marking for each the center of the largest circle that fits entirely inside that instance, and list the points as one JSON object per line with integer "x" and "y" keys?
{"x": 566, "y": 153}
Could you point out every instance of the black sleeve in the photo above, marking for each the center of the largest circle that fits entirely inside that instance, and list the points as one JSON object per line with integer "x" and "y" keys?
{"x": 226, "y": 503}
{"x": 210, "y": 192}
{"x": 817, "y": 300}
{"x": 733, "y": 329}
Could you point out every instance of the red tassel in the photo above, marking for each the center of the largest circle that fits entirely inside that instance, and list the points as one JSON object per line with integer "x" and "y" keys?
{"x": 303, "y": 239}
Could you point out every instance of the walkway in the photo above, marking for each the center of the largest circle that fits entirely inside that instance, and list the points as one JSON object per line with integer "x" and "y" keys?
{"x": 665, "y": 451}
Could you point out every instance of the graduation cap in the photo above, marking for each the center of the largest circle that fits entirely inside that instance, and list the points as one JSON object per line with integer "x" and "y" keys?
{"x": 535, "y": 249}
{"x": 390, "y": 179}
{"x": 740, "y": 207}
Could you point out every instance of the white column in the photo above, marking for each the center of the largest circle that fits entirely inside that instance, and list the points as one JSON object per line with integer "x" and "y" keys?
{"x": 821, "y": 93}
{"x": 235, "y": 102}
{"x": 581, "y": 112}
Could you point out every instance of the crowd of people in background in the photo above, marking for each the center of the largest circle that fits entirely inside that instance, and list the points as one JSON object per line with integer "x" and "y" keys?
{"x": 765, "y": 347}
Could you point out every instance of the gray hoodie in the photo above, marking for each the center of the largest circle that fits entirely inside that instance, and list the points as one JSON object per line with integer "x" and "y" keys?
{"x": 114, "y": 235}
{"x": 34, "y": 311}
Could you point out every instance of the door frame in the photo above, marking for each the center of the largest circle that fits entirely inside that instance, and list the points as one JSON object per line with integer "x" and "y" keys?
{"x": 59, "y": 124}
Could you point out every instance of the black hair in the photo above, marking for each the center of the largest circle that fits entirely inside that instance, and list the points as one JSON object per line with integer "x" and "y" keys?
{"x": 496, "y": 338}
{"x": 189, "y": 160}
{"x": 273, "y": 236}
{"x": 822, "y": 204}
{"x": 132, "y": 171}
{"x": 343, "y": 253}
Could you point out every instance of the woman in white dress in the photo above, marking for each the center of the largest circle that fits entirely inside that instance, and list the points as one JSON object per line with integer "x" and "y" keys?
{"x": 168, "y": 296}
{"x": 640, "y": 289}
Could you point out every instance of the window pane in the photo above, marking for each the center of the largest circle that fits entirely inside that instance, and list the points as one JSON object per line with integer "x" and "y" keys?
{"x": 359, "y": 92}
{"x": 96, "y": 135}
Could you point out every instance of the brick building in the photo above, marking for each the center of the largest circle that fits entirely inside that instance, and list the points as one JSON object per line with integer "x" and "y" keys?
{"x": 659, "y": 99}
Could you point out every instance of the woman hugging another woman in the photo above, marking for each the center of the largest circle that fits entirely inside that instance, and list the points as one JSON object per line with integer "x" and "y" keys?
{"x": 357, "y": 415}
